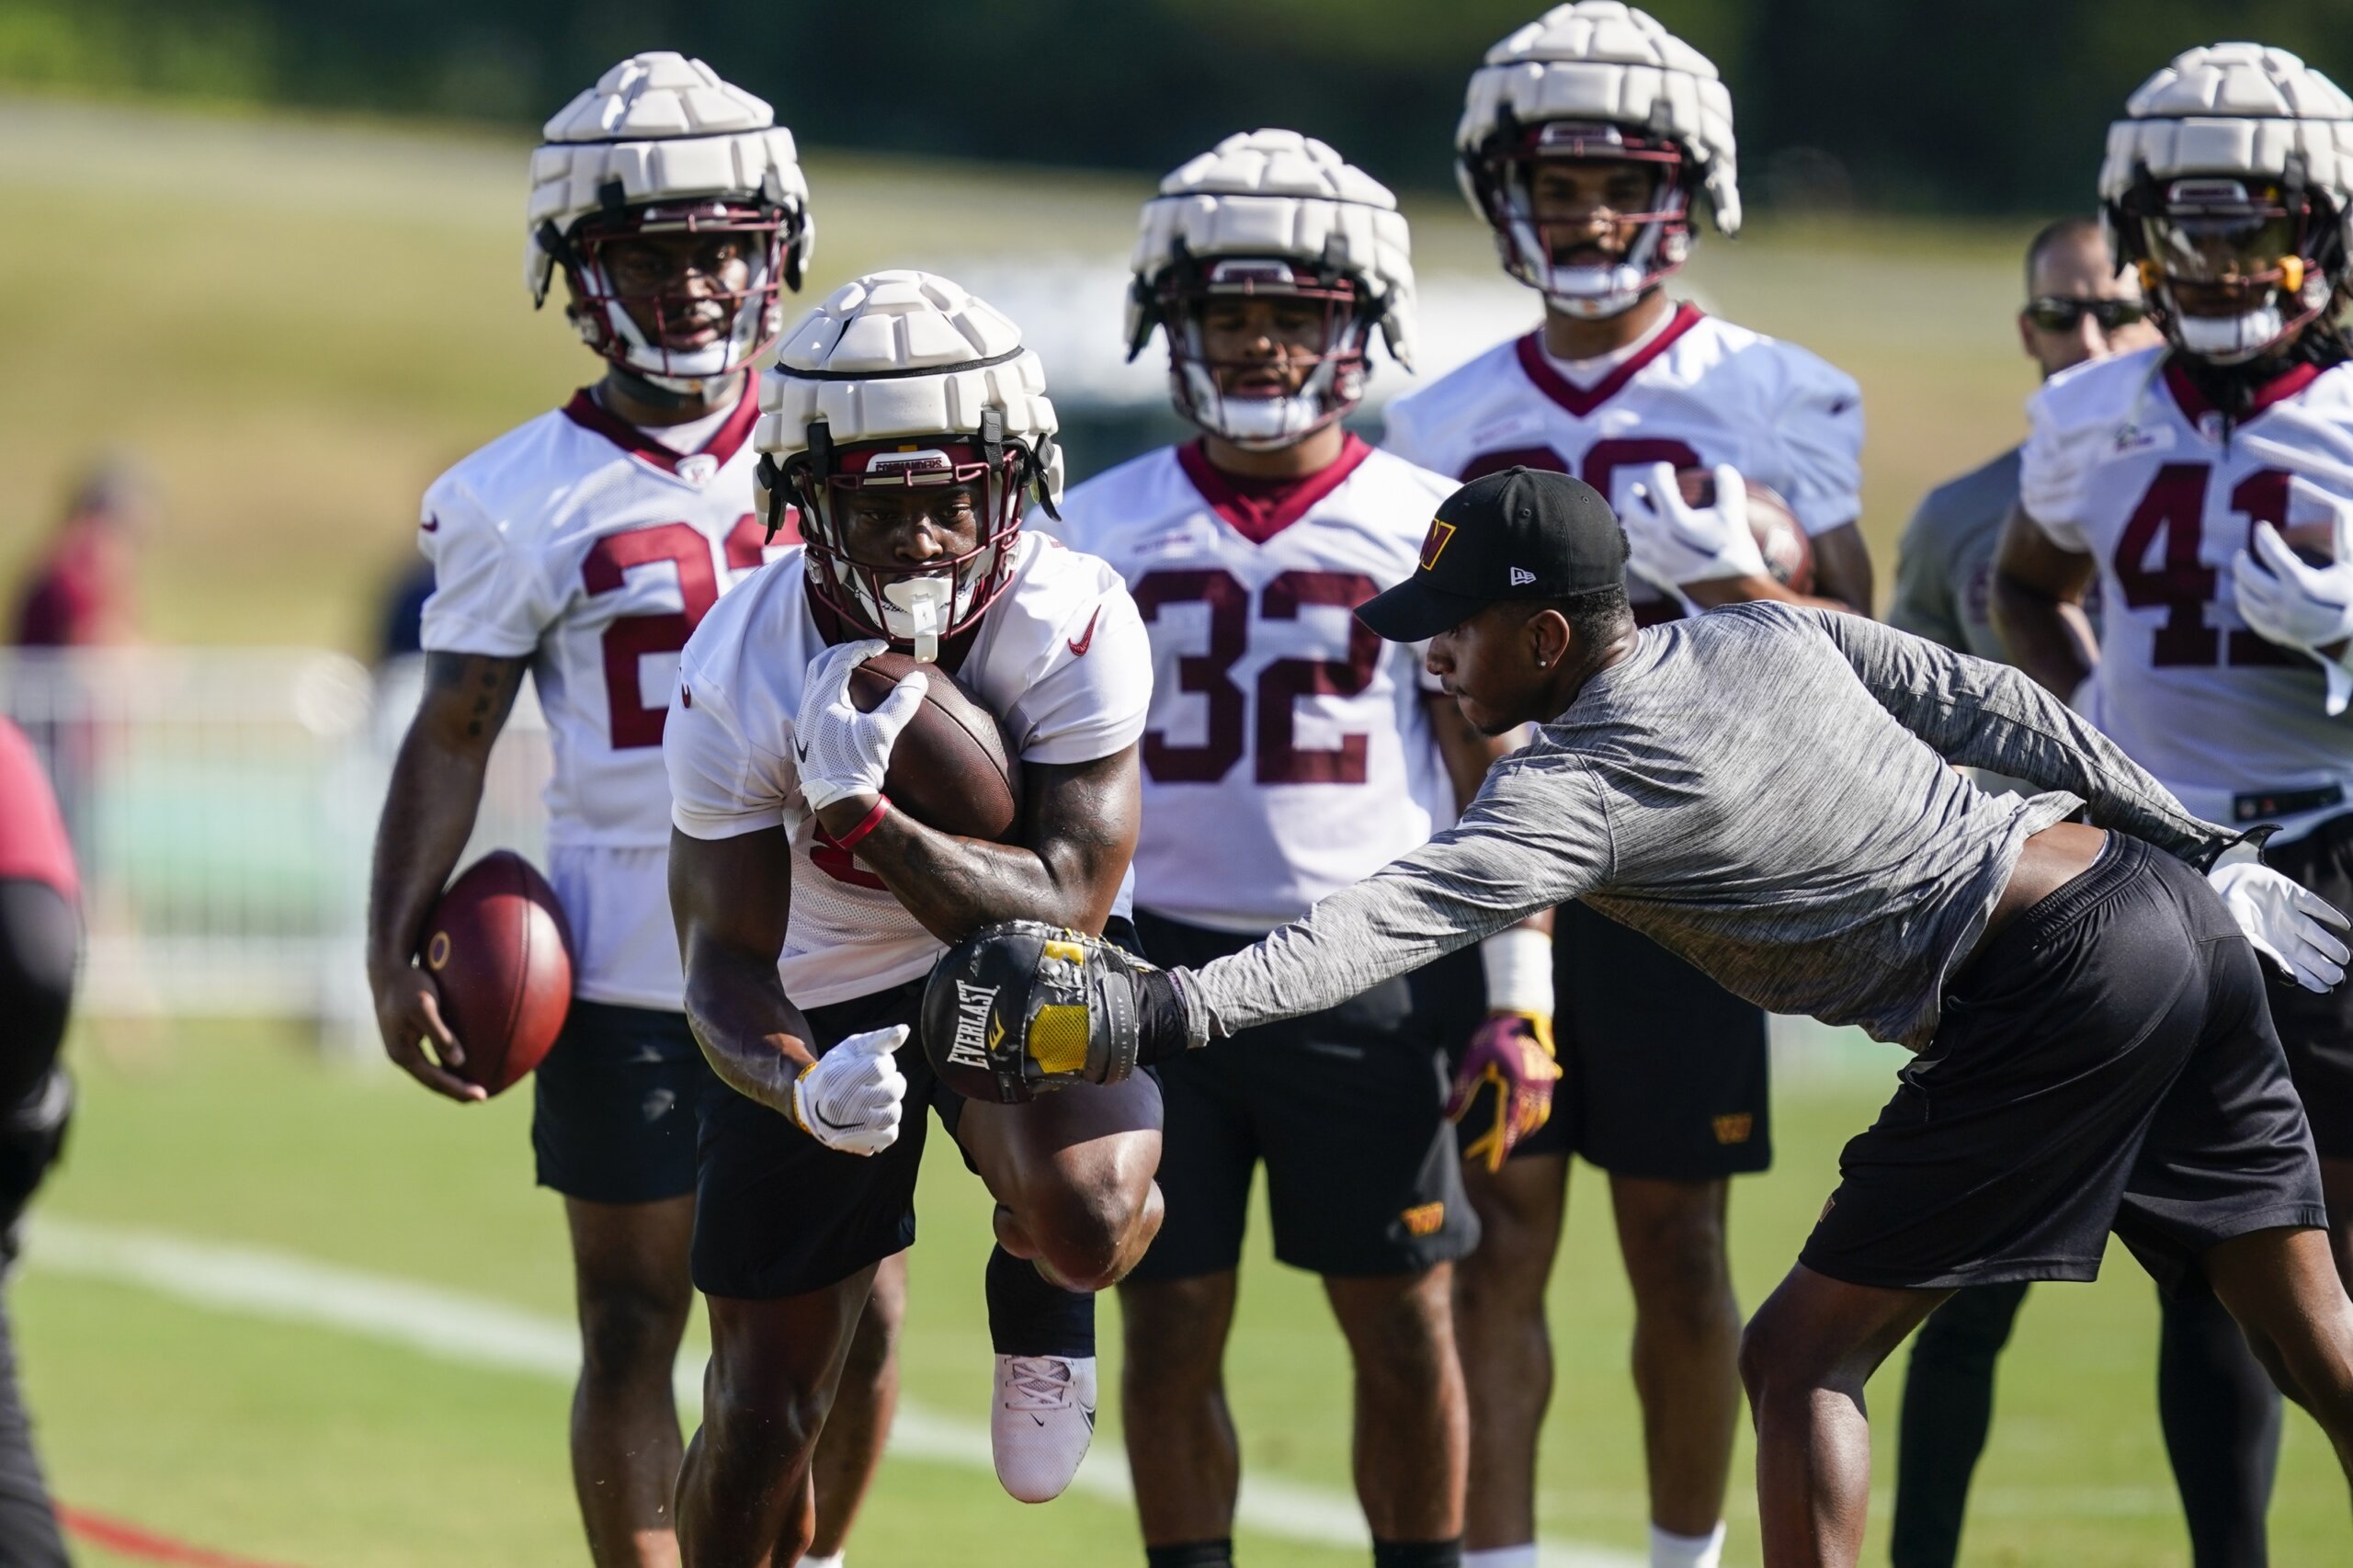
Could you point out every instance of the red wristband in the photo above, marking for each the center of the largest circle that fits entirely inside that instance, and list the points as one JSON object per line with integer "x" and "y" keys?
{"x": 865, "y": 824}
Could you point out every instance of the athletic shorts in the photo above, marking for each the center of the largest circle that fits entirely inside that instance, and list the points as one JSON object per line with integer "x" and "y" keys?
{"x": 1346, "y": 1110}
{"x": 1663, "y": 1073}
{"x": 613, "y": 1105}
{"x": 2317, "y": 1027}
{"x": 777, "y": 1213}
{"x": 2106, "y": 1062}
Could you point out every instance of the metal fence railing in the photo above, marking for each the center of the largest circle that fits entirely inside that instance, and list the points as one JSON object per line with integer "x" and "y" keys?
{"x": 221, "y": 803}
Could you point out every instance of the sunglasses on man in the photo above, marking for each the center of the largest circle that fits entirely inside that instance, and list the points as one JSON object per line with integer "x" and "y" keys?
{"x": 2054, "y": 312}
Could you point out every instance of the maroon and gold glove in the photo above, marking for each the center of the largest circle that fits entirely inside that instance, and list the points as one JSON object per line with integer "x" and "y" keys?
{"x": 1512, "y": 1051}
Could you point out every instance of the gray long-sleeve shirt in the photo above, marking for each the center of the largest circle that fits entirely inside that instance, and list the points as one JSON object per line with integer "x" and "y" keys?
{"x": 1762, "y": 790}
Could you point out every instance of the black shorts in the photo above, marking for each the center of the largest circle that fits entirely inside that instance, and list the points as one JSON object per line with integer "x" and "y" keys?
{"x": 613, "y": 1105}
{"x": 1345, "y": 1108}
{"x": 2106, "y": 1062}
{"x": 1663, "y": 1073}
{"x": 777, "y": 1213}
{"x": 2317, "y": 1027}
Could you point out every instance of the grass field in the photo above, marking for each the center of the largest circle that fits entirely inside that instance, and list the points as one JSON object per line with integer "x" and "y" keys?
{"x": 296, "y": 323}
{"x": 322, "y": 1449}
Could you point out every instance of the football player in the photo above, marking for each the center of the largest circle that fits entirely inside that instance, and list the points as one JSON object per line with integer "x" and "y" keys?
{"x": 2207, "y": 483}
{"x": 906, "y": 421}
{"x": 1290, "y": 753}
{"x": 1590, "y": 139}
{"x": 584, "y": 547}
{"x": 2085, "y": 1000}
{"x": 2221, "y": 1414}
{"x": 41, "y": 933}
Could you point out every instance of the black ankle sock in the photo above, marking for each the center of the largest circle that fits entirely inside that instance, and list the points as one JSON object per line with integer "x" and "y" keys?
{"x": 1417, "y": 1553}
{"x": 1191, "y": 1554}
{"x": 1028, "y": 1316}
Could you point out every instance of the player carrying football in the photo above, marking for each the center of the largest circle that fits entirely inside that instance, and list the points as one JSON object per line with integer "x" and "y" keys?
{"x": 1289, "y": 754}
{"x": 2208, "y": 483}
{"x": 907, "y": 422}
{"x": 1589, "y": 140}
{"x": 583, "y": 546}
{"x": 2084, "y": 1000}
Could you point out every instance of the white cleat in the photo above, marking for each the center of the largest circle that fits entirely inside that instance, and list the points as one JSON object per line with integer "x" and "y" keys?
{"x": 1043, "y": 1420}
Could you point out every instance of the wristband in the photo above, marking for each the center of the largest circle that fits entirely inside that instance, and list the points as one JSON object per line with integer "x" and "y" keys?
{"x": 865, "y": 824}
{"x": 1518, "y": 965}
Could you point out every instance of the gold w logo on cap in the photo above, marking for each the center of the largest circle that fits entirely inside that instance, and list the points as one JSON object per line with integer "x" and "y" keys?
{"x": 1434, "y": 546}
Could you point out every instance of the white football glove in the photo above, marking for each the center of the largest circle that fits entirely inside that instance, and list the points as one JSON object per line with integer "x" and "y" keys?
{"x": 2295, "y": 605}
{"x": 851, "y": 1098}
{"x": 2289, "y": 923}
{"x": 841, "y": 751}
{"x": 1672, "y": 542}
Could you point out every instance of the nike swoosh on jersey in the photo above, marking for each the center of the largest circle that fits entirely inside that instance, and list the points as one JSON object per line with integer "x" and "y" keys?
{"x": 799, "y": 749}
{"x": 431, "y": 524}
{"x": 1085, "y": 639}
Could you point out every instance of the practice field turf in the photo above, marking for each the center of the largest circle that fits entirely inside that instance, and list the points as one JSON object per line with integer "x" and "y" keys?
{"x": 323, "y": 1446}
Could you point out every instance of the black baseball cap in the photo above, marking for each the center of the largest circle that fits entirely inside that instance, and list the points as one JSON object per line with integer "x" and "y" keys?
{"x": 1520, "y": 534}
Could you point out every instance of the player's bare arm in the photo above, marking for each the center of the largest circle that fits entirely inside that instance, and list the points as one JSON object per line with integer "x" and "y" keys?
{"x": 732, "y": 899}
{"x": 2038, "y": 588}
{"x": 1079, "y": 833}
{"x": 1842, "y": 570}
{"x": 428, "y": 814}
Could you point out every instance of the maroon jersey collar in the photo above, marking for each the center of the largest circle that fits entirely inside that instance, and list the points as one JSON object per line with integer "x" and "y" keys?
{"x": 584, "y": 411}
{"x": 1258, "y": 509}
{"x": 1583, "y": 400}
{"x": 2279, "y": 389}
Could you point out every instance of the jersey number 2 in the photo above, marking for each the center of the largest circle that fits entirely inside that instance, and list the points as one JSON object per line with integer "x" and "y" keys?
{"x": 1282, "y": 759}
{"x": 2173, "y": 509}
{"x": 630, "y": 637}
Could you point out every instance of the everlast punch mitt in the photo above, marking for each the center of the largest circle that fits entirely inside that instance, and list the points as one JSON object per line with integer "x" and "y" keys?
{"x": 1019, "y": 1009}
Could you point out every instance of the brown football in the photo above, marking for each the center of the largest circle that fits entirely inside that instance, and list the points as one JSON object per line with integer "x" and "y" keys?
{"x": 1789, "y": 554}
{"x": 953, "y": 767}
{"x": 498, "y": 948}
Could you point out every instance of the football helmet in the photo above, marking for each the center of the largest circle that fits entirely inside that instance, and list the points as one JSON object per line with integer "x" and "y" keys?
{"x": 1272, "y": 214}
{"x": 2226, "y": 187}
{"x": 1602, "y": 81}
{"x": 661, "y": 145}
{"x": 901, "y": 379}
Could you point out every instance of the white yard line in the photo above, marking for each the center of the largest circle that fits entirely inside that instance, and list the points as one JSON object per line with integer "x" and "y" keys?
{"x": 472, "y": 1331}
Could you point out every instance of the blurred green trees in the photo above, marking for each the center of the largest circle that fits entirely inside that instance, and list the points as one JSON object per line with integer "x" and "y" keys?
{"x": 1992, "y": 106}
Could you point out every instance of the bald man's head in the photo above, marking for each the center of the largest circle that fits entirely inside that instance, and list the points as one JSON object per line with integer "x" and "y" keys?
{"x": 2079, "y": 306}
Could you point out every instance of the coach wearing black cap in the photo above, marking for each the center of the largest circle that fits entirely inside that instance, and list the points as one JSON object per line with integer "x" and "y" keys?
{"x": 1546, "y": 554}
{"x": 2084, "y": 1000}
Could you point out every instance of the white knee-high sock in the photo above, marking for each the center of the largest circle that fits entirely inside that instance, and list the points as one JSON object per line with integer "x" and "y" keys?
{"x": 833, "y": 1562}
{"x": 1669, "y": 1550}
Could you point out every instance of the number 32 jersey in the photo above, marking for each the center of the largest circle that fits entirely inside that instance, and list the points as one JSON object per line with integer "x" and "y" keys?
{"x": 1699, "y": 392}
{"x": 578, "y": 542}
{"x": 2126, "y": 463}
{"x": 1289, "y": 752}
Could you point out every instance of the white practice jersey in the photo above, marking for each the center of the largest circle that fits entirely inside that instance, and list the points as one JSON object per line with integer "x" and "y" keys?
{"x": 1060, "y": 657}
{"x": 1291, "y": 752}
{"x": 1699, "y": 392}
{"x": 582, "y": 544}
{"x": 2126, "y": 463}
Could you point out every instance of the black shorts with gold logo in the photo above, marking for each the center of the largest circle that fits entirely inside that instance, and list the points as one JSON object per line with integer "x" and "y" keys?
{"x": 1344, "y": 1107}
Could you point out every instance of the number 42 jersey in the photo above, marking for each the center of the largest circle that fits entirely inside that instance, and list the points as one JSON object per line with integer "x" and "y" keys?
{"x": 2126, "y": 463}
{"x": 1288, "y": 752}
{"x": 580, "y": 543}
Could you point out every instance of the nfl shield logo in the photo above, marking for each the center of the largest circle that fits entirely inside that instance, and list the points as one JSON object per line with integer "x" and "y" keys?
{"x": 697, "y": 469}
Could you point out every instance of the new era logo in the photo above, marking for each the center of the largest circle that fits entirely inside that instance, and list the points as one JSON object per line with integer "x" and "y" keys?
{"x": 1521, "y": 576}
